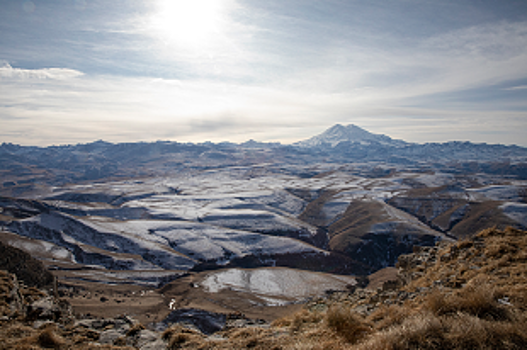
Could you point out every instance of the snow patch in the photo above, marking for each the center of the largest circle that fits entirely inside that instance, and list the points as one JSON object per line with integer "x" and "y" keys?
{"x": 275, "y": 283}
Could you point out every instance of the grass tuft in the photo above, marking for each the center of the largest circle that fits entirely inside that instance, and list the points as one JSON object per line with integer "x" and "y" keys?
{"x": 179, "y": 337}
{"x": 299, "y": 320}
{"x": 347, "y": 324}
{"x": 49, "y": 339}
{"x": 389, "y": 316}
{"x": 479, "y": 301}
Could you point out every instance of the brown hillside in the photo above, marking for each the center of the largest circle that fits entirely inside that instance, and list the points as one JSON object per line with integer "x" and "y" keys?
{"x": 446, "y": 208}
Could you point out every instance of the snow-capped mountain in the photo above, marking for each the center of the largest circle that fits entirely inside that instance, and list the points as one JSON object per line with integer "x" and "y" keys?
{"x": 349, "y": 133}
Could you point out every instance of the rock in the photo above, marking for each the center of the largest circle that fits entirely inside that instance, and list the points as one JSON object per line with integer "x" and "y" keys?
{"x": 121, "y": 325}
{"x": 143, "y": 339}
{"x": 155, "y": 345}
{"x": 12, "y": 301}
{"x": 406, "y": 261}
{"x": 109, "y": 336}
{"x": 206, "y": 322}
{"x": 446, "y": 257}
{"x": 243, "y": 322}
{"x": 44, "y": 309}
{"x": 86, "y": 323}
{"x": 41, "y": 323}
{"x": 127, "y": 319}
{"x": 364, "y": 309}
{"x": 98, "y": 324}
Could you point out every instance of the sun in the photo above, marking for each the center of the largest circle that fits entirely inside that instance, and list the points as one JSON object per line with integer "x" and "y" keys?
{"x": 190, "y": 23}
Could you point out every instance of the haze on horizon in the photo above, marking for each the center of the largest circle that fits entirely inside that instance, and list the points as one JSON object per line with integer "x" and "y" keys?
{"x": 232, "y": 70}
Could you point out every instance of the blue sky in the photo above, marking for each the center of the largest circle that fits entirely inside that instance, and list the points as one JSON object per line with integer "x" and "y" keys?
{"x": 231, "y": 70}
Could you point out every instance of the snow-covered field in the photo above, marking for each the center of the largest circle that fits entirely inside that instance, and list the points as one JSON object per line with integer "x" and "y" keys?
{"x": 275, "y": 286}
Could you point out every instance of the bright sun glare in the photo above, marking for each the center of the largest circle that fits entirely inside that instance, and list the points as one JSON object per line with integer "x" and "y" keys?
{"x": 188, "y": 22}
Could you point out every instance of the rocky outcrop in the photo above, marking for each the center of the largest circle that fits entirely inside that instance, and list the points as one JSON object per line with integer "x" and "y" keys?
{"x": 206, "y": 322}
{"x": 47, "y": 322}
{"x": 25, "y": 267}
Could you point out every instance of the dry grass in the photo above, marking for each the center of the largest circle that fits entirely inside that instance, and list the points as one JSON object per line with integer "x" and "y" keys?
{"x": 179, "y": 337}
{"x": 417, "y": 332}
{"x": 49, "y": 339}
{"x": 15, "y": 335}
{"x": 251, "y": 338}
{"x": 135, "y": 329}
{"x": 497, "y": 258}
{"x": 12, "y": 333}
{"x": 347, "y": 324}
{"x": 389, "y": 316}
{"x": 313, "y": 212}
{"x": 479, "y": 301}
{"x": 297, "y": 321}
{"x": 428, "y": 331}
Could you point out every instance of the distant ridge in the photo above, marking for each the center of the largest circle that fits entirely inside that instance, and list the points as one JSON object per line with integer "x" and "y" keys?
{"x": 349, "y": 133}
{"x": 338, "y": 144}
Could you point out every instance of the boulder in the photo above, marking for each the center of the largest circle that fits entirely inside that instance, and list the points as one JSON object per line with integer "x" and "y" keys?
{"x": 207, "y": 322}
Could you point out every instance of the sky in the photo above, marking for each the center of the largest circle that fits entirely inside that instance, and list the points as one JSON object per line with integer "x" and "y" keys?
{"x": 77, "y": 71}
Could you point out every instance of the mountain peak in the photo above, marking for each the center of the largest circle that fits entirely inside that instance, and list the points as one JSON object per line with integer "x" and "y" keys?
{"x": 350, "y": 133}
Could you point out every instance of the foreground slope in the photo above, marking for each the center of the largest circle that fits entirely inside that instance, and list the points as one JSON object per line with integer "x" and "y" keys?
{"x": 470, "y": 294}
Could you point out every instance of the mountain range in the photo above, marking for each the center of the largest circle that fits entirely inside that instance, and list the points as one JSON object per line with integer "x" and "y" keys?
{"x": 24, "y": 166}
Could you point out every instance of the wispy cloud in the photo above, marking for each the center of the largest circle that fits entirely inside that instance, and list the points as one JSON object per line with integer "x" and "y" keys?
{"x": 514, "y": 88}
{"x": 6, "y": 71}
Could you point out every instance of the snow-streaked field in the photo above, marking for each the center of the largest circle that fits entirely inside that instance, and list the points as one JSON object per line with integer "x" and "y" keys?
{"x": 199, "y": 240}
{"x": 496, "y": 193}
{"x": 261, "y": 204}
{"x": 516, "y": 211}
{"x": 275, "y": 286}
